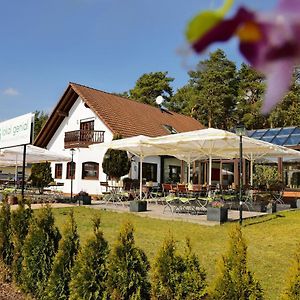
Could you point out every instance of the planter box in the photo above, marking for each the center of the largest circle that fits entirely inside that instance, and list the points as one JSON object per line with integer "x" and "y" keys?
{"x": 137, "y": 205}
{"x": 217, "y": 214}
{"x": 83, "y": 199}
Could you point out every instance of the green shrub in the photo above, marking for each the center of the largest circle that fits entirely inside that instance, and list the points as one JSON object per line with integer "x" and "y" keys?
{"x": 90, "y": 272}
{"x": 58, "y": 283}
{"x": 193, "y": 284}
{"x": 6, "y": 246}
{"x": 177, "y": 277}
{"x": 20, "y": 220}
{"x": 234, "y": 281}
{"x": 39, "y": 249}
{"x": 116, "y": 162}
{"x": 292, "y": 289}
{"x": 128, "y": 269}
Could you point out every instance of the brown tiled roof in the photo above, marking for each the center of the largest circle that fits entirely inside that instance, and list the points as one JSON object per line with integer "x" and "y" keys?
{"x": 121, "y": 115}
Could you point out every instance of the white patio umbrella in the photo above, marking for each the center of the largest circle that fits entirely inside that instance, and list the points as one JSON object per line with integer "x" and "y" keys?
{"x": 201, "y": 144}
{"x": 211, "y": 143}
{"x": 34, "y": 154}
{"x": 15, "y": 157}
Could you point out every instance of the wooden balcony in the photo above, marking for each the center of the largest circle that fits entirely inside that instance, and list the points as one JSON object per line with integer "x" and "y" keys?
{"x": 83, "y": 138}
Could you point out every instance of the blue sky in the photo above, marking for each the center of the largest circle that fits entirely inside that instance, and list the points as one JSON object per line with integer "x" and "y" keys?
{"x": 105, "y": 44}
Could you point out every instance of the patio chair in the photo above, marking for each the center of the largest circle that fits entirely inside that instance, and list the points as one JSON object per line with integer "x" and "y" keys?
{"x": 173, "y": 203}
{"x": 167, "y": 189}
{"x": 276, "y": 192}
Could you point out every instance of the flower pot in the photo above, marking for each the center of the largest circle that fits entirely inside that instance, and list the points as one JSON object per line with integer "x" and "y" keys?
{"x": 217, "y": 214}
{"x": 83, "y": 199}
{"x": 137, "y": 205}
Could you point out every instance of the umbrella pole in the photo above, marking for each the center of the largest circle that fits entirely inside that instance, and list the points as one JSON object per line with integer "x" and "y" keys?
{"x": 141, "y": 177}
{"x": 251, "y": 170}
{"x": 23, "y": 171}
{"x": 210, "y": 171}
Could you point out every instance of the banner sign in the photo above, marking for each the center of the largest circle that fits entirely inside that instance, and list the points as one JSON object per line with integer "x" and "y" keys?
{"x": 17, "y": 131}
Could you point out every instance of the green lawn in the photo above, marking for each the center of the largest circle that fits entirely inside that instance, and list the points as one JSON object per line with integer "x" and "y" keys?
{"x": 271, "y": 240}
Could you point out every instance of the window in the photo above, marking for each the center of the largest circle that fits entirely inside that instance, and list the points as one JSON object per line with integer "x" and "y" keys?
{"x": 170, "y": 128}
{"x": 90, "y": 170}
{"x": 150, "y": 172}
{"x": 58, "y": 171}
{"x": 71, "y": 170}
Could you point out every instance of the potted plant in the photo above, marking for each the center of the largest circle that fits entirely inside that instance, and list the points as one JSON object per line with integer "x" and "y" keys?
{"x": 84, "y": 197}
{"x": 217, "y": 211}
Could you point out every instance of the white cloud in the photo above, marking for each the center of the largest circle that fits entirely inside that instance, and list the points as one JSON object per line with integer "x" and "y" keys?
{"x": 11, "y": 92}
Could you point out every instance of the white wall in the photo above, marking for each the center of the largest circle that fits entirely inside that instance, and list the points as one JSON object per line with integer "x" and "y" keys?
{"x": 77, "y": 113}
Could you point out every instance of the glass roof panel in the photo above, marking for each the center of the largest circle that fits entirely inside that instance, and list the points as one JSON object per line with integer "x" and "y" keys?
{"x": 287, "y": 130}
{"x": 272, "y": 132}
{"x": 293, "y": 140}
{"x": 296, "y": 131}
{"x": 279, "y": 140}
{"x": 267, "y": 138}
{"x": 258, "y": 133}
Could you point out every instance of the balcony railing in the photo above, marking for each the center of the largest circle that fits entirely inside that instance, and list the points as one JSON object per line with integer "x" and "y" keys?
{"x": 83, "y": 138}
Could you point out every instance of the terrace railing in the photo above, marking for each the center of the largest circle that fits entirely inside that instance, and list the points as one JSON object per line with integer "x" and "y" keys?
{"x": 83, "y": 138}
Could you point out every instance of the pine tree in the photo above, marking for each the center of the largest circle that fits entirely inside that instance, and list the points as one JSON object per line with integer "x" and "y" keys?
{"x": 234, "y": 281}
{"x": 251, "y": 88}
{"x": 151, "y": 85}
{"x": 128, "y": 269}
{"x": 292, "y": 289}
{"x": 90, "y": 272}
{"x": 216, "y": 82}
{"x": 175, "y": 276}
{"x": 58, "y": 283}
{"x": 39, "y": 250}
{"x": 20, "y": 220}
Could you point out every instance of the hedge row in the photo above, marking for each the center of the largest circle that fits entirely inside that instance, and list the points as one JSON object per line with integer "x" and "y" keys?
{"x": 47, "y": 265}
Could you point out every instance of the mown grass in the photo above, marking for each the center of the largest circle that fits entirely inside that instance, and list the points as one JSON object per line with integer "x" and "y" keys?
{"x": 271, "y": 240}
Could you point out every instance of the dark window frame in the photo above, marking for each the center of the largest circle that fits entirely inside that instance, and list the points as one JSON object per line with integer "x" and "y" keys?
{"x": 58, "y": 171}
{"x": 148, "y": 174}
{"x": 69, "y": 170}
{"x": 96, "y": 170}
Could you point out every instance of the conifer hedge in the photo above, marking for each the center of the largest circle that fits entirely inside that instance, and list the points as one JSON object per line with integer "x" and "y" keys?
{"x": 128, "y": 269}
{"x": 20, "y": 220}
{"x": 39, "y": 250}
{"x": 58, "y": 283}
{"x": 234, "y": 281}
{"x": 90, "y": 272}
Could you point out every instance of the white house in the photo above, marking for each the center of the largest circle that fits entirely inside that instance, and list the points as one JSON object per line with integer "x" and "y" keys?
{"x": 84, "y": 116}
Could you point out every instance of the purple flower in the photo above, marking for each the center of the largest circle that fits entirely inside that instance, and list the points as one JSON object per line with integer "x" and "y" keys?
{"x": 269, "y": 41}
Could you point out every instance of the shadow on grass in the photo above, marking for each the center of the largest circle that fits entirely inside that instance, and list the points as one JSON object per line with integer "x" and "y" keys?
{"x": 262, "y": 219}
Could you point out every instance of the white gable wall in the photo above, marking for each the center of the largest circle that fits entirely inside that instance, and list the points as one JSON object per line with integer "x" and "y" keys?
{"x": 77, "y": 113}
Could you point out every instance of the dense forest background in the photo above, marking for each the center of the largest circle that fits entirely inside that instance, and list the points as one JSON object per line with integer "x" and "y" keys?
{"x": 220, "y": 95}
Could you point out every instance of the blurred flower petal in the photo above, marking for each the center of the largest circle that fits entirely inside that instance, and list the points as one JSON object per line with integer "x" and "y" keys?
{"x": 269, "y": 41}
{"x": 278, "y": 82}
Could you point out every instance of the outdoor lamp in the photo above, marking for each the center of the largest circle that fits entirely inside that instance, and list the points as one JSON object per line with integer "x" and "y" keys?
{"x": 240, "y": 131}
{"x": 72, "y": 172}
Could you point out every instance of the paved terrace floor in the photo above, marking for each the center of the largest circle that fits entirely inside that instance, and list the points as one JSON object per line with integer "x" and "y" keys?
{"x": 157, "y": 211}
